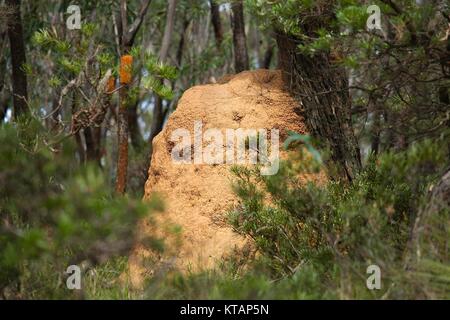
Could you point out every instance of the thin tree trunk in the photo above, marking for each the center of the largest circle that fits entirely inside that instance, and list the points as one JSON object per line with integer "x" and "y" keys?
{"x": 322, "y": 88}
{"x": 90, "y": 144}
{"x": 18, "y": 59}
{"x": 127, "y": 34}
{"x": 122, "y": 162}
{"x": 444, "y": 99}
{"x": 3, "y": 107}
{"x": 2, "y": 61}
{"x": 158, "y": 112}
{"x": 122, "y": 119}
{"x": 80, "y": 148}
{"x": 168, "y": 30}
{"x": 216, "y": 22}
{"x": 3, "y": 96}
{"x": 135, "y": 133}
{"x": 133, "y": 124}
{"x": 375, "y": 131}
{"x": 181, "y": 44}
{"x": 444, "y": 91}
{"x": 157, "y": 119}
{"x": 241, "y": 61}
{"x": 268, "y": 56}
{"x": 92, "y": 137}
{"x": 122, "y": 133}
{"x": 78, "y": 140}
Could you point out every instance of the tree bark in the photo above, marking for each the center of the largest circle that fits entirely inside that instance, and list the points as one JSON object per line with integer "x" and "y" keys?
{"x": 158, "y": 112}
{"x": 18, "y": 59}
{"x": 157, "y": 119}
{"x": 133, "y": 124}
{"x": 375, "y": 131}
{"x": 3, "y": 107}
{"x": 216, "y": 22}
{"x": 127, "y": 34}
{"x": 2, "y": 61}
{"x": 78, "y": 140}
{"x": 268, "y": 55}
{"x": 444, "y": 91}
{"x": 168, "y": 30}
{"x": 241, "y": 61}
{"x": 3, "y": 96}
{"x": 90, "y": 144}
{"x": 181, "y": 44}
{"x": 122, "y": 162}
{"x": 322, "y": 89}
{"x": 92, "y": 138}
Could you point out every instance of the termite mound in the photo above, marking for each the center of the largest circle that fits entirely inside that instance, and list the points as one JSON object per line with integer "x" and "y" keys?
{"x": 198, "y": 196}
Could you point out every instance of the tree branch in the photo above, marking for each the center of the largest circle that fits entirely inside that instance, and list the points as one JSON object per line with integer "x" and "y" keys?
{"x": 134, "y": 28}
{"x": 123, "y": 18}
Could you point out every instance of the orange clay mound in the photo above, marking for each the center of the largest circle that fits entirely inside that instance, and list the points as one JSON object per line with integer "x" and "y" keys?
{"x": 197, "y": 196}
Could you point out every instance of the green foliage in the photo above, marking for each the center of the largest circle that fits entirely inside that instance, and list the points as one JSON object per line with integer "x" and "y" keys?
{"x": 353, "y": 17}
{"x": 60, "y": 53}
{"x": 156, "y": 72}
{"x": 47, "y": 40}
{"x": 335, "y": 230}
{"x": 253, "y": 285}
{"x": 159, "y": 69}
{"x": 106, "y": 60}
{"x": 283, "y": 16}
{"x": 54, "y": 214}
{"x": 316, "y": 240}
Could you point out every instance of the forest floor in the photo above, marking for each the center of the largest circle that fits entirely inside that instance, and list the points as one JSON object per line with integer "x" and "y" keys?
{"x": 197, "y": 196}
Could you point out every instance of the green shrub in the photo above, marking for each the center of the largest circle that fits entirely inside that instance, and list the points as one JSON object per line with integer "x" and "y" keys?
{"x": 55, "y": 214}
{"x": 335, "y": 230}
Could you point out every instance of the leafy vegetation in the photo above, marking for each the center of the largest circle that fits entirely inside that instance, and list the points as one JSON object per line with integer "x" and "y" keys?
{"x": 376, "y": 103}
{"x": 55, "y": 214}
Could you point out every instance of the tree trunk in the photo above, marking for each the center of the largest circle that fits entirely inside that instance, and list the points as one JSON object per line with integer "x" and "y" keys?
{"x": 92, "y": 138}
{"x": 122, "y": 162}
{"x": 3, "y": 107}
{"x": 168, "y": 30}
{"x": 216, "y": 22}
{"x": 375, "y": 131}
{"x": 18, "y": 59}
{"x": 133, "y": 124}
{"x": 239, "y": 39}
{"x": 444, "y": 91}
{"x": 122, "y": 117}
{"x": 80, "y": 147}
{"x": 127, "y": 34}
{"x": 158, "y": 118}
{"x": 268, "y": 55}
{"x": 181, "y": 44}
{"x": 3, "y": 96}
{"x": 90, "y": 144}
{"x": 323, "y": 91}
{"x": 158, "y": 112}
